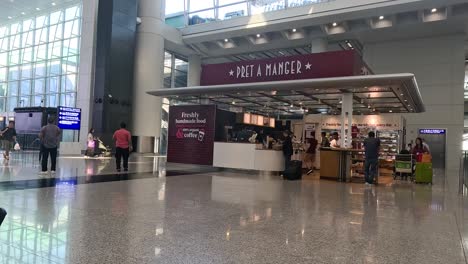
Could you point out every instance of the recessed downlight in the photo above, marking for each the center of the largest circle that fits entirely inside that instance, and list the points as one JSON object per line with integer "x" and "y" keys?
{"x": 433, "y": 10}
{"x": 381, "y": 17}
{"x": 226, "y": 40}
{"x": 391, "y": 111}
{"x": 23, "y": 13}
{"x": 9, "y": 17}
{"x": 53, "y": 3}
{"x": 258, "y": 35}
{"x": 294, "y": 30}
{"x": 335, "y": 24}
{"x": 38, "y": 9}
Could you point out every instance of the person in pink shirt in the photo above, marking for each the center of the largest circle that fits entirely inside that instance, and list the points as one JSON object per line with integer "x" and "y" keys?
{"x": 123, "y": 146}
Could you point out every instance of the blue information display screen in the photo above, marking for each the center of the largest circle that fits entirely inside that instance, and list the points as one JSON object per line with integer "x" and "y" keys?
{"x": 69, "y": 118}
{"x": 432, "y": 131}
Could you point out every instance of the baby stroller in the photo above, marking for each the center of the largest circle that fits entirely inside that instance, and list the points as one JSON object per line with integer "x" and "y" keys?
{"x": 98, "y": 149}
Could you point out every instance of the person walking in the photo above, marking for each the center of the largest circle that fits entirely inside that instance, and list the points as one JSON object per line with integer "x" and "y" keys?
{"x": 287, "y": 149}
{"x": 311, "y": 152}
{"x": 49, "y": 136}
{"x": 123, "y": 146}
{"x": 371, "y": 148}
{"x": 8, "y": 136}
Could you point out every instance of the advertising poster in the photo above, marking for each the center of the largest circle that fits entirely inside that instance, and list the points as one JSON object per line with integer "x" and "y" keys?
{"x": 191, "y": 134}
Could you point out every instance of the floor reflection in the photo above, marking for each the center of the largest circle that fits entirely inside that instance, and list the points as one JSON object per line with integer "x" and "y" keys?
{"x": 209, "y": 216}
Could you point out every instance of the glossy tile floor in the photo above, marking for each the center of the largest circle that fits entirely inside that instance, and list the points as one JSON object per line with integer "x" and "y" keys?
{"x": 226, "y": 217}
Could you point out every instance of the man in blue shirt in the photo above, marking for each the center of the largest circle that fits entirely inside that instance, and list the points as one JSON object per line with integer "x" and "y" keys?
{"x": 372, "y": 148}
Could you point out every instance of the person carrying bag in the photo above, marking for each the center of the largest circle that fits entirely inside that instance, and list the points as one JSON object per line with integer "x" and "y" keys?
{"x": 8, "y": 136}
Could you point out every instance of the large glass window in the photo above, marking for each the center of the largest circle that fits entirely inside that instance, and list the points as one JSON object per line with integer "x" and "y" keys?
{"x": 175, "y": 75}
{"x": 39, "y": 59}
{"x": 180, "y": 13}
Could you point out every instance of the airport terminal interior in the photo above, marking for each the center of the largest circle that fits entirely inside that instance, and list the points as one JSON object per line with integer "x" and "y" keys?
{"x": 251, "y": 131}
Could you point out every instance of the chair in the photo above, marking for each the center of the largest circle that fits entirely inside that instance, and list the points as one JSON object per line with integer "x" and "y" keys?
{"x": 403, "y": 166}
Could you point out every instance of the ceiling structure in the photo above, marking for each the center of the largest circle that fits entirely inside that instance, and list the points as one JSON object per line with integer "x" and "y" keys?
{"x": 277, "y": 33}
{"x": 373, "y": 94}
{"x": 13, "y": 10}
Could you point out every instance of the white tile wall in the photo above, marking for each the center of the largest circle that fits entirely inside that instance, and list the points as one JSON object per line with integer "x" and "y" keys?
{"x": 438, "y": 63}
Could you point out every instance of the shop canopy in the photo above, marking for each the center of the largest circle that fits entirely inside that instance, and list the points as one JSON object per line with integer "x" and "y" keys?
{"x": 372, "y": 94}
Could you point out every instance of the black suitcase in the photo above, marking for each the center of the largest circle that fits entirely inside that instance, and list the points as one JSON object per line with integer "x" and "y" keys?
{"x": 293, "y": 171}
{"x": 3, "y": 214}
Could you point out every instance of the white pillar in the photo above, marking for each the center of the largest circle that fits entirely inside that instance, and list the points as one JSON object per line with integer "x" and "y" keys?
{"x": 319, "y": 45}
{"x": 194, "y": 70}
{"x": 85, "y": 91}
{"x": 346, "y": 119}
{"x": 148, "y": 75}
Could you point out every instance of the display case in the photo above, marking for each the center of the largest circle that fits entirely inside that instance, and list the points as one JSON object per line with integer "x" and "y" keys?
{"x": 390, "y": 145}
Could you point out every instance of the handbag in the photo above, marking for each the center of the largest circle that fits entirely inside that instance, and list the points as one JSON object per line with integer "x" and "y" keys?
{"x": 17, "y": 146}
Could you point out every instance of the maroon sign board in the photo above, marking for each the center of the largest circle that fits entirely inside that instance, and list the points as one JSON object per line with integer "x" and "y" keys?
{"x": 191, "y": 134}
{"x": 318, "y": 65}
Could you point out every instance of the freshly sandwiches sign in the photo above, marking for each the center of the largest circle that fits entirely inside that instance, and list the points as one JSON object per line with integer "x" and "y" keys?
{"x": 318, "y": 65}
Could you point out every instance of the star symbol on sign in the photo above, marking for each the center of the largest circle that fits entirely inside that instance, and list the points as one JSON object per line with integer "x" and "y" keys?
{"x": 308, "y": 65}
{"x": 231, "y": 73}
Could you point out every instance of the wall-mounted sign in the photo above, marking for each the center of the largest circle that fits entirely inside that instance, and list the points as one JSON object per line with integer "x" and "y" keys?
{"x": 318, "y": 65}
{"x": 432, "y": 131}
{"x": 191, "y": 134}
{"x": 69, "y": 118}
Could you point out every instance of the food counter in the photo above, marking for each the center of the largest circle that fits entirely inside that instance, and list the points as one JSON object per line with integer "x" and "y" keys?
{"x": 247, "y": 156}
{"x": 335, "y": 163}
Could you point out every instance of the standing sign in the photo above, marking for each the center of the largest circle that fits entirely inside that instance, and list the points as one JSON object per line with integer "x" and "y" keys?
{"x": 191, "y": 134}
{"x": 69, "y": 118}
{"x": 318, "y": 65}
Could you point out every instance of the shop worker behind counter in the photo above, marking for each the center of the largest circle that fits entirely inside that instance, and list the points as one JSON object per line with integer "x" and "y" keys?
{"x": 372, "y": 148}
{"x": 49, "y": 136}
{"x": 287, "y": 149}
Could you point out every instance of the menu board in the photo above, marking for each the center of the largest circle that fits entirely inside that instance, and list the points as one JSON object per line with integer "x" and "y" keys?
{"x": 260, "y": 120}
{"x": 69, "y": 118}
{"x": 247, "y": 118}
{"x": 256, "y": 120}
{"x": 253, "y": 120}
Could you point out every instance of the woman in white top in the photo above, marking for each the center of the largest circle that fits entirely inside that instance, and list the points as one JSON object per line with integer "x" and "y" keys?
{"x": 335, "y": 143}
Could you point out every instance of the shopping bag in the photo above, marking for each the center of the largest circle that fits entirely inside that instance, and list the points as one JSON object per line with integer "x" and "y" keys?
{"x": 17, "y": 146}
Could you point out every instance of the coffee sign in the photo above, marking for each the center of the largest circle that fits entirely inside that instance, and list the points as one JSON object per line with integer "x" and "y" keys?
{"x": 191, "y": 134}
{"x": 318, "y": 65}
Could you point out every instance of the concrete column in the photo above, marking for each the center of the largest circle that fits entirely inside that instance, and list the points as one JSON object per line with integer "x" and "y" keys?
{"x": 85, "y": 91}
{"x": 346, "y": 119}
{"x": 194, "y": 70}
{"x": 319, "y": 45}
{"x": 149, "y": 66}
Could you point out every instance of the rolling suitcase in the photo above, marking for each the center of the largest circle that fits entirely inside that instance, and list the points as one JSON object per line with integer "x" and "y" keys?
{"x": 423, "y": 172}
{"x": 293, "y": 171}
{"x": 3, "y": 214}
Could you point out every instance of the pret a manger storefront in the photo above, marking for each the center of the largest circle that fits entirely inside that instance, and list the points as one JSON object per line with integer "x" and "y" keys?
{"x": 332, "y": 90}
